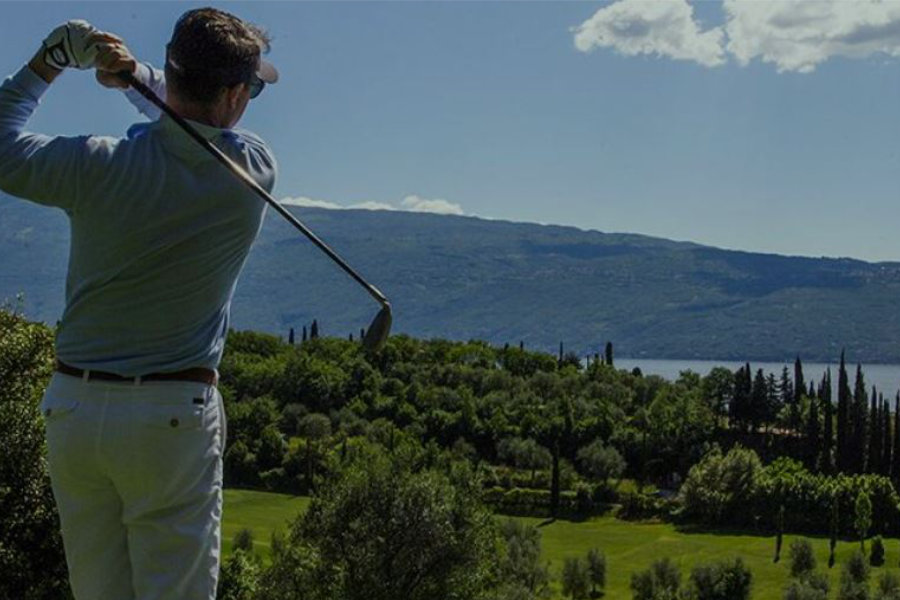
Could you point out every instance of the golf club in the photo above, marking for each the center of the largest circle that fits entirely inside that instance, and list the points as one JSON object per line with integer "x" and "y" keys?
{"x": 380, "y": 328}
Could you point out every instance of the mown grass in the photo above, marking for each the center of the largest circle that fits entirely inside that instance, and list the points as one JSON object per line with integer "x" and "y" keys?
{"x": 629, "y": 547}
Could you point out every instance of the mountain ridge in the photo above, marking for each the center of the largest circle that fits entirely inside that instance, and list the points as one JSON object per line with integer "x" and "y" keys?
{"x": 465, "y": 277}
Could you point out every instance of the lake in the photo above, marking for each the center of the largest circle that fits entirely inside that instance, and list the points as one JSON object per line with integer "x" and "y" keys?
{"x": 886, "y": 378}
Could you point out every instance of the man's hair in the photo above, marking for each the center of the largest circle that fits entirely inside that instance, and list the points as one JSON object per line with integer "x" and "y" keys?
{"x": 211, "y": 50}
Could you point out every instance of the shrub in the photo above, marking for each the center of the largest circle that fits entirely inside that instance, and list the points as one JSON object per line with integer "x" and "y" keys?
{"x": 813, "y": 587}
{"x": 661, "y": 580}
{"x": 723, "y": 580}
{"x": 239, "y": 577}
{"x": 876, "y": 552}
{"x": 888, "y": 586}
{"x": 803, "y": 561}
{"x": 855, "y": 578}
{"x": 597, "y": 568}
{"x": 576, "y": 578}
{"x": 32, "y": 565}
{"x": 243, "y": 540}
{"x": 719, "y": 488}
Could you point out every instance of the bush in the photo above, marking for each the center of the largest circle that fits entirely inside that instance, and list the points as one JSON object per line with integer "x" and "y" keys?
{"x": 381, "y": 532}
{"x": 575, "y": 578}
{"x": 661, "y": 580}
{"x": 888, "y": 586}
{"x": 723, "y": 580}
{"x": 719, "y": 488}
{"x": 876, "y": 552}
{"x": 32, "y": 564}
{"x": 243, "y": 540}
{"x": 596, "y": 568}
{"x": 855, "y": 578}
{"x": 239, "y": 577}
{"x": 803, "y": 561}
{"x": 813, "y": 587}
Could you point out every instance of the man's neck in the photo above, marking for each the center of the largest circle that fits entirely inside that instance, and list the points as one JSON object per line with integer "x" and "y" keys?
{"x": 199, "y": 113}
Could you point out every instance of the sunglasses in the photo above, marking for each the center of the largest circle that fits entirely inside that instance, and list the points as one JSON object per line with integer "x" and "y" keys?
{"x": 256, "y": 86}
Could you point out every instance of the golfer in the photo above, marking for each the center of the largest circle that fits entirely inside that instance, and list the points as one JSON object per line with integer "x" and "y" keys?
{"x": 160, "y": 231}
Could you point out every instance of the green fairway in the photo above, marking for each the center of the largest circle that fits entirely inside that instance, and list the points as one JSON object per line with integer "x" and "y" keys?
{"x": 261, "y": 513}
{"x": 629, "y": 547}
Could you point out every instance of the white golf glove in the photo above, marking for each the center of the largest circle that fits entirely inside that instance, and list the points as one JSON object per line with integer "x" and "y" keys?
{"x": 68, "y": 46}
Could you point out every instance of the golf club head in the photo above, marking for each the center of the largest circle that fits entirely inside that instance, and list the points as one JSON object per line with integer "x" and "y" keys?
{"x": 378, "y": 332}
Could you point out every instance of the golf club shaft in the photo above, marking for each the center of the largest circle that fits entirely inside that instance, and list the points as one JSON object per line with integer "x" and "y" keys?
{"x": 251, "y": 183}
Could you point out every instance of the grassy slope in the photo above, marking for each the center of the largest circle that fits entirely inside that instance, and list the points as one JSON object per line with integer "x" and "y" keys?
{"x": 628, "y": 546}
{"x": 259, "y": 512}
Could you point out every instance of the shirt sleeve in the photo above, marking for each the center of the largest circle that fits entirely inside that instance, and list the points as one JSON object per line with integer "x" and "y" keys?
{"x": 44, "y": 169}
{"x": 153, "y": 79}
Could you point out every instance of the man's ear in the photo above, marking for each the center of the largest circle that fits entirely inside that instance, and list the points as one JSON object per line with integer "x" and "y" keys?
{"x": 233, "y": 95}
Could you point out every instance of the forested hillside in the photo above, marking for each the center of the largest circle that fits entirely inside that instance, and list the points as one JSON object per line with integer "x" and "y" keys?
{"x": 466, "y": 278}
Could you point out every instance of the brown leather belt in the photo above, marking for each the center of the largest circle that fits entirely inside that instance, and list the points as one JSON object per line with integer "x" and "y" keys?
{"x": 198, "y": 374}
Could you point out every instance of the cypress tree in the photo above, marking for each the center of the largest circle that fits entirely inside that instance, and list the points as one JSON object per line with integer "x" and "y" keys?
{"x": 813, "y": 435}
{"x": 786, "y": 387}
{"x": 843, "y": 417}
{"x": 826, "y": 460}
{"x": 759, "y": 397}
{"x": 886, "y": 439}
{"x": 770, "y": 412}
{"x": 314, "y": 330}
{"x": 560, "y": 359}
{"x": 873, "y": 464}
{"x": 799, "y": 384}
{"x": 303, "y": 335}
{"x": 609, "y": 353}
{"x": 739, "y": 402}
{"x": 291, "y": 336}
{"x": 895, "y": 464}
{"x": 859, "y": 425}
{"x": 812, "y": 390}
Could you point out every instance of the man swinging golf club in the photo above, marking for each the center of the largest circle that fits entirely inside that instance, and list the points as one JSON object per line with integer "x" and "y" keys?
{"x": 135, "y": 424}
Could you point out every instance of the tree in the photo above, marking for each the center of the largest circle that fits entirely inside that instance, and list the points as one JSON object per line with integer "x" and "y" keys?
{"x": 314, "y": 330}
{"x": 314, "y": 427}
{"x": 524, "y": 454}
{"x": 873, "y": 464}
{"x": 609, "y": 353}
{"x": 854, "y": 579}
{"x": 834, "y": 526}
{"x": 383, "y": 531}
{"x": 779, "y": 532}
{"x": 844, "y": 433}
{"x": 575, "y": 578}
{"x": 888, "y": 586}
{"x": 803, "y": 561}
{"x": 32, "y": 565}
{"x": 826, "y": 459}
{"x": 239, "y": 576}
{"x": 596, "y": 562}
{"x": 862, "y": 517}
{"x": 601, "y": 462}
{"x": 520, "y": 564}
{"x": 813, "y": 435}
{"x": 718, "y": 488}
{"x": 304, "y": 336}
{"x": 662, "y": 581}
{"x": 291, "y": 336}
{"x": 722, "y": 580}
{"x": 876, "y": 552}
{"x": 895, "y": 464}
{"x": 815, "y": 587}
{"x": 859, "y": 425}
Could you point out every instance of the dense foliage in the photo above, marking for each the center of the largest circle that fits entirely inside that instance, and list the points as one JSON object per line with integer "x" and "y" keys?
{"x": 31, "y": 556}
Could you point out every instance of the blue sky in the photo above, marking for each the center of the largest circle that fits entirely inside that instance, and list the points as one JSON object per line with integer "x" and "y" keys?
{"x": 771, "y": 127}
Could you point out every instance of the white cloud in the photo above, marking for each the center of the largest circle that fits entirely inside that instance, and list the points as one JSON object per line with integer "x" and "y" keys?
{"x": 798, "y": 36}
{"x": 793, "y": 35}
{"x": 309, "y": 202}
{"x": 665, "y": 29}
{"x": 415, "y": 203}
{"x": 372, "y": 206}
{"x": 410, "y": 203}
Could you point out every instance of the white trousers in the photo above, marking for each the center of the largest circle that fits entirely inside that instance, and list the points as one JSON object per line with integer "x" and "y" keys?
{"x": 136, "y": 472}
